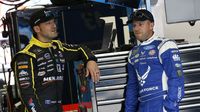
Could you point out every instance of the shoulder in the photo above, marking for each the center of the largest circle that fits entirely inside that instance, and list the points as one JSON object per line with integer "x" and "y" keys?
{"x": 166, "y": 43}
{"x": 29, "y": 50}
{"x": 133, "y": 51}
{"x": 20, "y": 57}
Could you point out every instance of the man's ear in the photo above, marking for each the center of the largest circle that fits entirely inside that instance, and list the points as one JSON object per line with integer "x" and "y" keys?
{"x": 152, "y": 25}
{"x": 36, "y": 29}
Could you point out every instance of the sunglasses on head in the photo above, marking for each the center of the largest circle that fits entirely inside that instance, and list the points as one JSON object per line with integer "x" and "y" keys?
{"x": 139, "y": 15}
{"x": 48, "y": 14}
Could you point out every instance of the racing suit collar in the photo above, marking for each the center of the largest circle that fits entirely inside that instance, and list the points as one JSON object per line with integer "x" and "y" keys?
{"x": 152, "y": 38}
{"x": 39, "y": 43}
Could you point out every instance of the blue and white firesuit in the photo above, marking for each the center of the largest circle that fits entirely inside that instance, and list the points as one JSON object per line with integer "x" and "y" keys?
{"x": 155, "y": 77}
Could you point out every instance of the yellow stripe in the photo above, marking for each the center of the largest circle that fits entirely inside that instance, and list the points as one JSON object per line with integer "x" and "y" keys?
{"x": 25, "y": 50}
{"x": 33, "y": 81}
{"x": 70, "y": 49}
{"x": 84, "y": 53}
{"x": 60, "y": 46}
{"x": 77, "y": 50}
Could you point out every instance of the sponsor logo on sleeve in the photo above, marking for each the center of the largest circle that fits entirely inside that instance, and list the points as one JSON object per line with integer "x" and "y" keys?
{"x": 24, "y": 84}
{"x": 176, "y": 57}
{"x": 22, "y": 66}
{"x": 179, "y": 73}
{"x": 22, "y": 63}
{"x": 24, "y": 78}
{"x": 23, "y": 73}
{"x": 177, "y": 65}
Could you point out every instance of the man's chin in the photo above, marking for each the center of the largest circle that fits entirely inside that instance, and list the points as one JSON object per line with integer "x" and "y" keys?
{"x": 55, "y": 35}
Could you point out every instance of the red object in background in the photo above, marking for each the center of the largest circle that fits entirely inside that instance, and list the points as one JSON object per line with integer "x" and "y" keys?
{"x": 71, "y": 107}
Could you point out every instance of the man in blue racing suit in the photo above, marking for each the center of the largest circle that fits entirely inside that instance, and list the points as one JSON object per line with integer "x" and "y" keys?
{"x": 155, "y": 74}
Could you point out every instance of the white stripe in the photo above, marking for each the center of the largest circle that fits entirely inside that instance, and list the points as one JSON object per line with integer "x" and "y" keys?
{"x": 167, "y": 45}
{"x": 129, "y": 55}
{"x": 164, "y": 81}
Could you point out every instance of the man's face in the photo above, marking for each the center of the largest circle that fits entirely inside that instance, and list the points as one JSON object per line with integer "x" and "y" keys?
{"x": 46, "y": 30}
{"x": 143, "y": 30}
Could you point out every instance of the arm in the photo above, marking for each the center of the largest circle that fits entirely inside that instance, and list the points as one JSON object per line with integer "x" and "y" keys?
{"x": 23, "y": 67}
{"x": 78, "y": 52}
{"x": 131, "y": 99}
{"x": 75, "y": 52}
{"x": 170, "y": 58}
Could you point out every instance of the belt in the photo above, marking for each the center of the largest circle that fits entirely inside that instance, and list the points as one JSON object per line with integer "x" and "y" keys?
{"x": 152, "y": 96}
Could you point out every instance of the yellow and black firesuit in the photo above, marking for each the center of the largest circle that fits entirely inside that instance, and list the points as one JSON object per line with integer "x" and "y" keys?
{"x": 39, "y": 70}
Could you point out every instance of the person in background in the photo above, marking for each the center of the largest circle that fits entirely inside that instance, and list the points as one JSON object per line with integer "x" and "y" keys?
{"x": 155, "y": 74}
{"x": 39, "y": 67}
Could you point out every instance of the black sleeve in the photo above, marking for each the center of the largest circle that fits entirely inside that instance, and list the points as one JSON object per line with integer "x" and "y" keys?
{"x": 78, "y": 52}
{"x": 23, "y": 66}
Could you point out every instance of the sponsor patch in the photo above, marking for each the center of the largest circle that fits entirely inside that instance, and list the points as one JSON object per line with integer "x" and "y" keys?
{"x": 40, "y": 59}
{"x": 177, "y": 65}
{"x": 50, "y": 65}
{"x": 174, "y": 51}
{"x": 149, "y": 89}
{"x": 41, "y": 68}
{"x": 49, "y": 61}
{"x": 47, "y": 56}
{"x": 22, "y": 63}
{"x": 179, "y": 73}
{"x": 23, "y": 73}
{"x": 41, "y": 64}
{"x": 149, "y": 47}
{"x": 137, "y": 60}
{"x": 25, "y": 84}
{"x": 62, "y": 60}
{"x": 41, "y": 73}
{"x": 135, "y": 51}
{"x": 53, "y": 78}
{"x": 137, "y": 55}
{"x": 47, "y": 102}
{"x": 49, "y": 70}
{"x": 152, "y": 52}
{"x": 23, "y": 67}
{"x": 176, "y": 57}
{"x": 24, "y": 78}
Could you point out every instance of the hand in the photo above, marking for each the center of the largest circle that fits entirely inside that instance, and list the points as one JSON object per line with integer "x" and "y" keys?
{"x": 93, "y": 70}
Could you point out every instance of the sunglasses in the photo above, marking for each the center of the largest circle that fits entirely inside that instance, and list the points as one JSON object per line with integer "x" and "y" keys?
{"x": 48, "y": 14}
{"x": 139, "y": 15}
